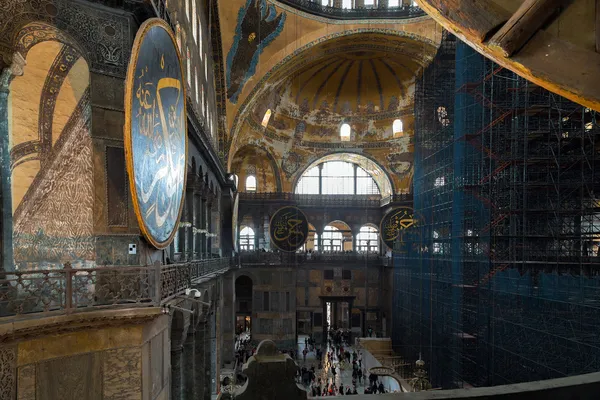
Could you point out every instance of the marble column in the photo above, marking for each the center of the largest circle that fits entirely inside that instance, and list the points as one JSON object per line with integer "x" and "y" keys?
{"x": 16, "y": 68}
{"x": 204, "y": 225}
{"x": 176, "y": 375}
{"x": 189, "y": 366}
{"x": 324, "y": 322}
{"x": 350, "y": 305}
{"x": 200, "y": 360}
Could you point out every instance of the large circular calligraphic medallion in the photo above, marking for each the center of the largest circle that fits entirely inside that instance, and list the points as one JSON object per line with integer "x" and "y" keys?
{"x": 156, "y": 131}
{"x": 288, "y": 228}
{"x": 395, "y": 225}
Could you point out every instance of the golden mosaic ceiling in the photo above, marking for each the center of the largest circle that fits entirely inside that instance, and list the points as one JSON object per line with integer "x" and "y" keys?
{"x": 362, "y": 74}
{"x": 354, "y": 82}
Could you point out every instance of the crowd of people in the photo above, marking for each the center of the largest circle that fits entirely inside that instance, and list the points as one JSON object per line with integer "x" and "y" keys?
{"x": 320, "y": 377}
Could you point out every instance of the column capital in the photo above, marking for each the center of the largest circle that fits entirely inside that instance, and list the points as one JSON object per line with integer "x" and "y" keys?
{"x": 16, "y": 68}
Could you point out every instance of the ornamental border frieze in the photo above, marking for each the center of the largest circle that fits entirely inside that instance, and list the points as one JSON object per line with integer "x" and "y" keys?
{"x": 103, "y": 37}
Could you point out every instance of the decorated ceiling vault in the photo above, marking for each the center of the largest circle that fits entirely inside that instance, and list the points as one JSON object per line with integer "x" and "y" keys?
{"x": 293, "y": 79}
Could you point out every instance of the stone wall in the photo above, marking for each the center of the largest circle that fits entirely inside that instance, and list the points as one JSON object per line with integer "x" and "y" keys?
{"x": 118, "y": 355}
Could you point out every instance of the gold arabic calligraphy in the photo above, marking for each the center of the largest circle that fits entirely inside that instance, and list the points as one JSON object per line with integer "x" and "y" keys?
{"x": 288, "y": 229}
{"x": 396, "y": 224}
{"x": 162, "y": 157}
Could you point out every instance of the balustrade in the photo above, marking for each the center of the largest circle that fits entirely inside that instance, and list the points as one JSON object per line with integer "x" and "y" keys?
{"x": 329, "y": 200}
{"x": 69, "y": 290}
{"x": 339, "y": 10}
{"x": 268, "y": 258}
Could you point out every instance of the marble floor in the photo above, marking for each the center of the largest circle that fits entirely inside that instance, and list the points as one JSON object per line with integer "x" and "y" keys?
{"x": 344, "y": 372}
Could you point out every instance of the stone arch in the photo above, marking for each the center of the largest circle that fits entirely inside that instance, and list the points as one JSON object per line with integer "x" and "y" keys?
{"x": 347, "y": 238}
{"x": 256, "y": 153}
{"x": 339, "y": 154}
{"x": 178, "y": 331}
{"x": 244, "y": 286}
{"x": 50, "y": 150}
{"x": 103, "y": 37}
{"x": 37, "y": 32}
{"x": 294, "y": 51}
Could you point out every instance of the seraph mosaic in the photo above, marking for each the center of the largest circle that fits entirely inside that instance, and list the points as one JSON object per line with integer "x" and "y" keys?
{"x": 155, "y": 132}
{"x": 258, "y": 24}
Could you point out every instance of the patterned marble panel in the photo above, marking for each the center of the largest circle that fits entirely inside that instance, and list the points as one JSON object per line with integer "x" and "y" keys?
{"x": 123, "y": 374}
{"x": 156, "y": 364}
{"x": 8, "y": 359}
{"x": 71, "y": 378}
{"x": 26, "y": 383}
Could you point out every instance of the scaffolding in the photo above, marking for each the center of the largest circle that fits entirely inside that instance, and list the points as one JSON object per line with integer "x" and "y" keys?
{"x": 511, "y": 229}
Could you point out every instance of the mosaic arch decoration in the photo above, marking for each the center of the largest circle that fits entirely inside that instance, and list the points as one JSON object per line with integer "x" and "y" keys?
{"x": 427, "y": 56}
{"x": 288, "y": 228}
{"x": 258, "y": 24}
{"x": 156, "y": 131}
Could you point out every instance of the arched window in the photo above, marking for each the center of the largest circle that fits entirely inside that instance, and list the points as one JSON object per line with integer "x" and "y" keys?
{"x": 250, "y": 183}
{"x": 235, "y": 180}
{"x": 337, "y": 177}
{"x": 442, "y": 115}
{"x": 178, "y": 38}
{"x": 246, "y": 238}
{"x": 332, "y": 239}
{"x": 200, "y": 38}
{"x": 316, "y": 241}
{"x": 266, "y": 118}
{"x": 193, "y": 22}
{"x": 189, "y": 68}
{"x": 397, "y": 127}
{"x": 345, "y": 132}
{"x": 437, "y": 246}
{"x": 368, "y": 240}
{"x": 393, "y": 3}
{"x": 346, "y": 3}
{"x": 202, "y": 96}
{"x": 197, "y": 86}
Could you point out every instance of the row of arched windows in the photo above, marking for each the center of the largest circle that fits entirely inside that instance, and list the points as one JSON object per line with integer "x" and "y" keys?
{"x": 349, "y": 4}
{"x": 332, "y": 240}
{"x": 345, "y": 128}
{"x": 330, "y": 177}
{"x": 195, "y": 84}
{"x": 250, "y": 184}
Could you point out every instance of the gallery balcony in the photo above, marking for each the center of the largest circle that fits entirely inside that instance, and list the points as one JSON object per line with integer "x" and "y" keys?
{"x": 357, "y": 9}
{"x": 260, "y": 258}
{"x": 43, "y": 293}
{"x": 324, "y": 200}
